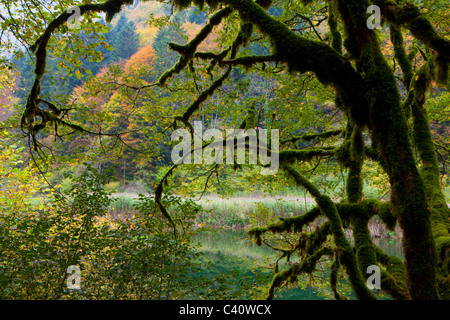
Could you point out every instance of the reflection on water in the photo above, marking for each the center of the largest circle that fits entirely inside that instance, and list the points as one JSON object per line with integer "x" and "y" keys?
{"x": 237, "y": 243}
{"x": 234, "y": 242}
{"x": 392, "y": 247}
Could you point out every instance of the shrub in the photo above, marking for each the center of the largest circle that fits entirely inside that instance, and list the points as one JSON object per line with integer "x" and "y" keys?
{"x": 136, "y": 258}
{"x": 112, "y": 187}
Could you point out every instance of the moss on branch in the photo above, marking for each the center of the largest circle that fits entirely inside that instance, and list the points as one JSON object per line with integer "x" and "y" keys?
{"x": 430, "y": 173}
{"x": 188, "y": 50}
{"x": 302, "y": 55}
{"x": 292, "y": 224}
{"x": 400, "y": 54}
{"x": 393, "y": 275}
{"x": 329, "y": 210}
{"x": 334, "y": 272}
{"x": 409, "y": 16}
{"x": 356, "y": 160}
{"x": 291, "y": 274}
{"x": 313, "y": 136}
{"x": 204, "y": 95}
{"x": 289, "y": 156}
{"x": 336, "y": 37}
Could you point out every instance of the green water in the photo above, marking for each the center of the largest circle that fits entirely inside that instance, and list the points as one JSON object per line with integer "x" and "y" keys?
{"x": 231, "y": 251}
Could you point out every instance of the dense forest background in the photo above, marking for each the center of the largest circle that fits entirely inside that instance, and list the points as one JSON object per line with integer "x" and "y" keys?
{"x": 129, "y": 44}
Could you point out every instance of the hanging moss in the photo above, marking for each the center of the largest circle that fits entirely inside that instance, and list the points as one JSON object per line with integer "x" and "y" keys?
{"x": 292, "y": 224}
{"x": 336, "y": 37}
{"x": 400, "y": 54}
{"x": 354, "y": 180}
{"x": 442, "y": 74}
{"x": 291, "y": 274}
{"x": 188, "y": 50}
{"x": 185, "y": 4}
{"x": 302, "y": 55}
{"x": 289, "y": 156}
{"x": 430, "y": 168}
{"x": 158, "y": 197}
{"x": 112, "y": 7}
{"x": 353, "y": 18}
{"x": 334, "y": 272}
{"x": 329, "y": 210}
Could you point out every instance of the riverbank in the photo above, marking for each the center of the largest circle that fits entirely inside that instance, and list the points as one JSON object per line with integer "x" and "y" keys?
{"x": 239, "y": 213}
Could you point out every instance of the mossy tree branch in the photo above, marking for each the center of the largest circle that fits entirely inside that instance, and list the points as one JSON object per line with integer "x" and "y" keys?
{"x": 302, "y": 55}
{"x": 357, "y": 215}
{"x": 291, "y": 274}
{"x": 356, "y": 161}
{"x": 312, "y": 136}
{"x": 329, "y": 210}
{"x": 430, "y": 172}
{"x": 389, "y": 130}
{"x": 409, "y": 16}
{"x": 289, "y": 156}
{"x": 188, "y": 50}
{"x": 292, "y": 224}
{"x": 334, "y": 272}
{"x": 32, "y": 110}
{"x": 401, "y": 55}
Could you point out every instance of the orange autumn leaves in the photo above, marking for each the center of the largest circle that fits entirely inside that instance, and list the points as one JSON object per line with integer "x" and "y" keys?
{"x": 141, "y": 61}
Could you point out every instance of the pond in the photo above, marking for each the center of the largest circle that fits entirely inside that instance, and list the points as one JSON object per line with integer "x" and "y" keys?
{"x": 235, "y": 244}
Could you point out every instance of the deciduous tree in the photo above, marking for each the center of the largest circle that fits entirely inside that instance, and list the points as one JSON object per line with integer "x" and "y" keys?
{"x": 331, "y": 42}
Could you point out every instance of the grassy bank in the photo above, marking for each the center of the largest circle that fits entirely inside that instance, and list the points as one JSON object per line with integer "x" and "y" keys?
{"x": 241, "y": 212}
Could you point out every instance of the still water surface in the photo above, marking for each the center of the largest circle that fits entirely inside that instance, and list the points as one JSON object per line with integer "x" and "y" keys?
{"x": 236, "y": 243}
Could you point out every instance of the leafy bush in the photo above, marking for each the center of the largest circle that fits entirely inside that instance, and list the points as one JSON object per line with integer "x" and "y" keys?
{"x": 112, "y": 187}
{"x": 145, "y": 258}
{"x": 136, "y": 258}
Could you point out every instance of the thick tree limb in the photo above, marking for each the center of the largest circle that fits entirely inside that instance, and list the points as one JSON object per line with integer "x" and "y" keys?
{"x": 410, "y": 17}
{"x": 348, "y": 259}
{"x": 389, "y": 130}
{"x": 302, "y": 55}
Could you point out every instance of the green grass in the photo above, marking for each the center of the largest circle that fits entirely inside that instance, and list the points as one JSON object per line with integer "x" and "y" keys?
{"x": 241, "y": 212}
{"x": 237, "y": 211}
{"x": 123, "y": 206}
{"x": 228, "y": 212}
